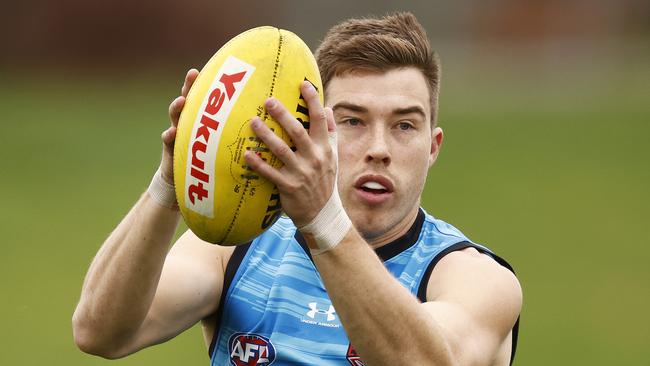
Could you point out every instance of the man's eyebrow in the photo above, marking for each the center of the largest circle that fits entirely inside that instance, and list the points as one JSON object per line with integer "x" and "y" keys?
{"x": 408, "y": 110}
{"x": 349, "y": 106}
{"x": 398, "y": 111}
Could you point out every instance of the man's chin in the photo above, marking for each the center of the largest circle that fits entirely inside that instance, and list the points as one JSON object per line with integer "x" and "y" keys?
{"x": 370, "y": 226}
{"x": 380, "y": 226}
{"x": 372, "y": 221}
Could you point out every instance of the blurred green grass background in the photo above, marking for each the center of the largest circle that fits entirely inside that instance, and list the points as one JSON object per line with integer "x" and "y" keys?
{"x": 548, "y": 166}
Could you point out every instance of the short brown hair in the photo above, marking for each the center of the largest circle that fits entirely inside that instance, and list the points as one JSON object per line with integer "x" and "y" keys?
{"x": 379, "y": 45}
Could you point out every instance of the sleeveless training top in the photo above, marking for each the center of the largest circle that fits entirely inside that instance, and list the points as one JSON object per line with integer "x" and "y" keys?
{"x": 274, "y": 308}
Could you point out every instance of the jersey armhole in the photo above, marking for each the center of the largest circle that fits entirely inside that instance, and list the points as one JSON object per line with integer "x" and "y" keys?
{"x": 422, "y": 289}
{"x": 231, "y": 269}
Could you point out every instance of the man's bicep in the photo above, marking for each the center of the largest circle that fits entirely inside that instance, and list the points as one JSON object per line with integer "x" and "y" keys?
{"x": 476, "y": 301}
{"x": 189, "y": 290}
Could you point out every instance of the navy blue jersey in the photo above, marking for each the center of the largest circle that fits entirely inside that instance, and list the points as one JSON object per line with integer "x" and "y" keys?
{"x": 275, "y": 309}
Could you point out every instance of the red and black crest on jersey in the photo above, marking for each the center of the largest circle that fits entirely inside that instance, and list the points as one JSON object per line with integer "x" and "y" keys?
{"x": 353, "y": 357}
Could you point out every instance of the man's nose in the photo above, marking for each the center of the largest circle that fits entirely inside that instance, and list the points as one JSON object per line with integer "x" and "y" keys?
{"x": 377, "y": 147}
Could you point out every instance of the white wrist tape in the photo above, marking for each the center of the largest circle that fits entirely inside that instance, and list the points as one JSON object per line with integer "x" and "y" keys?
{"x": 332, "y": 222}
{"x": 330, "y": 225}
{"x": 162, "y": 192}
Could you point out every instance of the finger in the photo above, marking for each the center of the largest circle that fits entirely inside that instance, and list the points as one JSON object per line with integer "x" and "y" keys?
{"x": 175, "y": 109}
{"x": 276, "y": 145}
{"x": 294, "y": 129}
{"x": 190, "y": 77}
{"x": 166, "y": 162}
{"x": 317, "y": 114}
{"x": 263, "y": 168}
{"x": 331, "y": 130}
{"x": 331, "y": 124}
{"x": 168, "y": 136}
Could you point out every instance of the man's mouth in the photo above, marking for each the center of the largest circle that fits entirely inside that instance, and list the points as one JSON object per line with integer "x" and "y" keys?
{"x": 374, "y": 187}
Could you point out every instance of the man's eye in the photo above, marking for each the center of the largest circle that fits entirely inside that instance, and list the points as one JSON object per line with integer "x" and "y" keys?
{"x": 352, "y": 121}
{"x": 405, "y": 126}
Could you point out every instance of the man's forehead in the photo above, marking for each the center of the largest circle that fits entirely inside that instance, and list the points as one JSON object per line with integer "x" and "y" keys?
{"x": 396, "y": 89}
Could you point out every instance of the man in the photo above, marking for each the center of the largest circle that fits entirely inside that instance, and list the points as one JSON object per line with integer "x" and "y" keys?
{"x": 367, "y": 278}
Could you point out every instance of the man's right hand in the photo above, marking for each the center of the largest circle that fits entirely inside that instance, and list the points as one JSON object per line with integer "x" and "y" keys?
{"x": 169, "y": 135}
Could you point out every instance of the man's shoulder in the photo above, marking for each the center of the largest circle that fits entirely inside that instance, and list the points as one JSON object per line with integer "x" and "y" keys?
{"x": 465, "y": 262}
{"x": 469, "y": 271}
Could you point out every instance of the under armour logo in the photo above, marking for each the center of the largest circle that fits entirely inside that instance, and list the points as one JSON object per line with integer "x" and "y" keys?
{"x": 314, "y": 310}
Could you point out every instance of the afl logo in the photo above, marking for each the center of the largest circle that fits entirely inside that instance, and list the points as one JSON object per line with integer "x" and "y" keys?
{"x": 248, "y": 349}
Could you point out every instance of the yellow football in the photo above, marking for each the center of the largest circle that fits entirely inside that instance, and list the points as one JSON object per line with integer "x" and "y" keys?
{"x": 221, "y": 199}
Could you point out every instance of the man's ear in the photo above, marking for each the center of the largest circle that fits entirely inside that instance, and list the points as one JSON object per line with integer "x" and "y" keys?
{"x": 436, "y": 144}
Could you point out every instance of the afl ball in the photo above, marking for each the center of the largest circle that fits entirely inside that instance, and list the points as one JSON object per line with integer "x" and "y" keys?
{"x": 222, "y": 201}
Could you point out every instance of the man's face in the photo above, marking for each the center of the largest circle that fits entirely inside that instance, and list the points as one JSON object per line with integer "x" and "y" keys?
{"x": 385, "y": 147}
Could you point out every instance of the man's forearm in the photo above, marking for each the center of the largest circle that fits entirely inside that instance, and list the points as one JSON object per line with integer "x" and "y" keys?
{"x": 384, "y": 322}
{"x": 122, "y": 279}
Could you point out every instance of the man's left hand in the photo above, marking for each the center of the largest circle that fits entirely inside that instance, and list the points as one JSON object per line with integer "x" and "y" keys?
{"x": 307, "y": 179}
